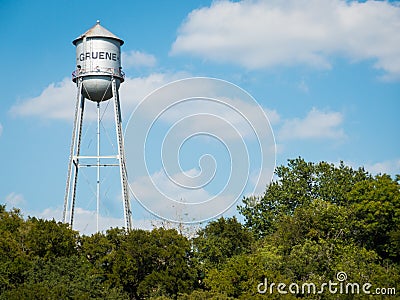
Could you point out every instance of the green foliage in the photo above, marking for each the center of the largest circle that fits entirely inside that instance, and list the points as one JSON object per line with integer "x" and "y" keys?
{"x": 169, "y": 271}
{"x": 48, "y": 239}
{"x": 62, "y": 278}
{"x": 221, "y": 239}
{"x": 10, "y": 221}
{"x": 315, "y": 220}
{"x": 298, "y": 184}
{"x": 376, "y": 217}
{"x": 13, "y": 255}
{"x": 204, "y": 295}
{"x": 144, "y": 264}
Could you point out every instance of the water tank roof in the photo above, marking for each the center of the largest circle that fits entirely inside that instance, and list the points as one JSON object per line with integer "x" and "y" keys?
{"x": 98, "y": 31}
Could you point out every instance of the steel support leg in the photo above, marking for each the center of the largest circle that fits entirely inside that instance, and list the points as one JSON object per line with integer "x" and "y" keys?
{"x": 121, "y": 158}
{"x": 98, "y": 169}
{"x": 73, "y": 165}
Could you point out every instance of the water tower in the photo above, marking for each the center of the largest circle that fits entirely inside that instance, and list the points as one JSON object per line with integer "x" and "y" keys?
{"x": 98, "y": 76}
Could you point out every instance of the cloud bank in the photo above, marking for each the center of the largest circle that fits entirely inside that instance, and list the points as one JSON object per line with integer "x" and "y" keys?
{"x": 135, "y": 59}
{"x": 316, "y": 125}
{"x": 14, "y": 200}
{"x": 391, "y": 167}
{"x": 262, "y": 34}
{"x": 57, "y": 100}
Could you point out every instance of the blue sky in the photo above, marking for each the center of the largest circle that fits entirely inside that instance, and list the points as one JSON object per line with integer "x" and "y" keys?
{"x": 326, "y": 73}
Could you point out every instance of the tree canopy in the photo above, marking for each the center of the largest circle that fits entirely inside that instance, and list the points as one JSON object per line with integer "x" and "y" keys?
{"x": 314, "y": 221}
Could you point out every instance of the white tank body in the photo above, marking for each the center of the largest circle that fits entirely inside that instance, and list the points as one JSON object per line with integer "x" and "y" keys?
{"x": 98, "y": 59}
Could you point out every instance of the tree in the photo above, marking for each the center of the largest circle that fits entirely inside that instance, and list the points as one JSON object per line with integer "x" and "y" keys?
{"x": 65, "y": 277}
{"x": 316, "y": 221}
{"x": 39, "y": 260}
{"x": 13, "y": 256}
{"x": 376, "y": 215}
{"x": 100, "y": 250}
{"x": 221, "y": 239}
{"x": 172, "y": 272}
{"x": 146, "y": 264}
{"x": 299, "y": 184}
{"x": 48, "y": 239}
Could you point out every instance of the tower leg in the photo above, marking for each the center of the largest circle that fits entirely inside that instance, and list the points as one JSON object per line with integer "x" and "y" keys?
{"x": 98, "y": 168}
{"x": 73, "y": 158}
{"x": 121, "y": 158}
{"x": 73, "y": 166}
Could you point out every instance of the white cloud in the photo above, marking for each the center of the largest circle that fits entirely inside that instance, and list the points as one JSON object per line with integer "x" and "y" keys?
{"x": 214, "y": 111}
{"x": 57, "y": 101}
{"x": 133, "y": 90}
{"x": 259, "y": 34}
{"x": 85, "y": 220}
{"x": 1, "y": 129}
{"x": 272, "y": 115}
{"x": 316, "y": 125}
{"x": 14, "y": 200}
{"x": 134, "y": 59}
{"x": 206, "y": 105}
{"x": 173, "y": 198}
{"x": 391, "y": 167}
{"x": 230, "y": 119}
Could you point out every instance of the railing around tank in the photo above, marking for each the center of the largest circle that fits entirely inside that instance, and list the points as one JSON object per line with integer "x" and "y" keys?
{"x": 107, "y": 71}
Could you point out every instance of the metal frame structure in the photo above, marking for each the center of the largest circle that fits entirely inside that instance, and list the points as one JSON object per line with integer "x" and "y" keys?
{"x": 74, "y": 158}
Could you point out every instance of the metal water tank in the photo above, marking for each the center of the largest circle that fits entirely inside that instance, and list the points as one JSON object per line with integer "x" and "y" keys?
{"x": 98, "y": 60}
